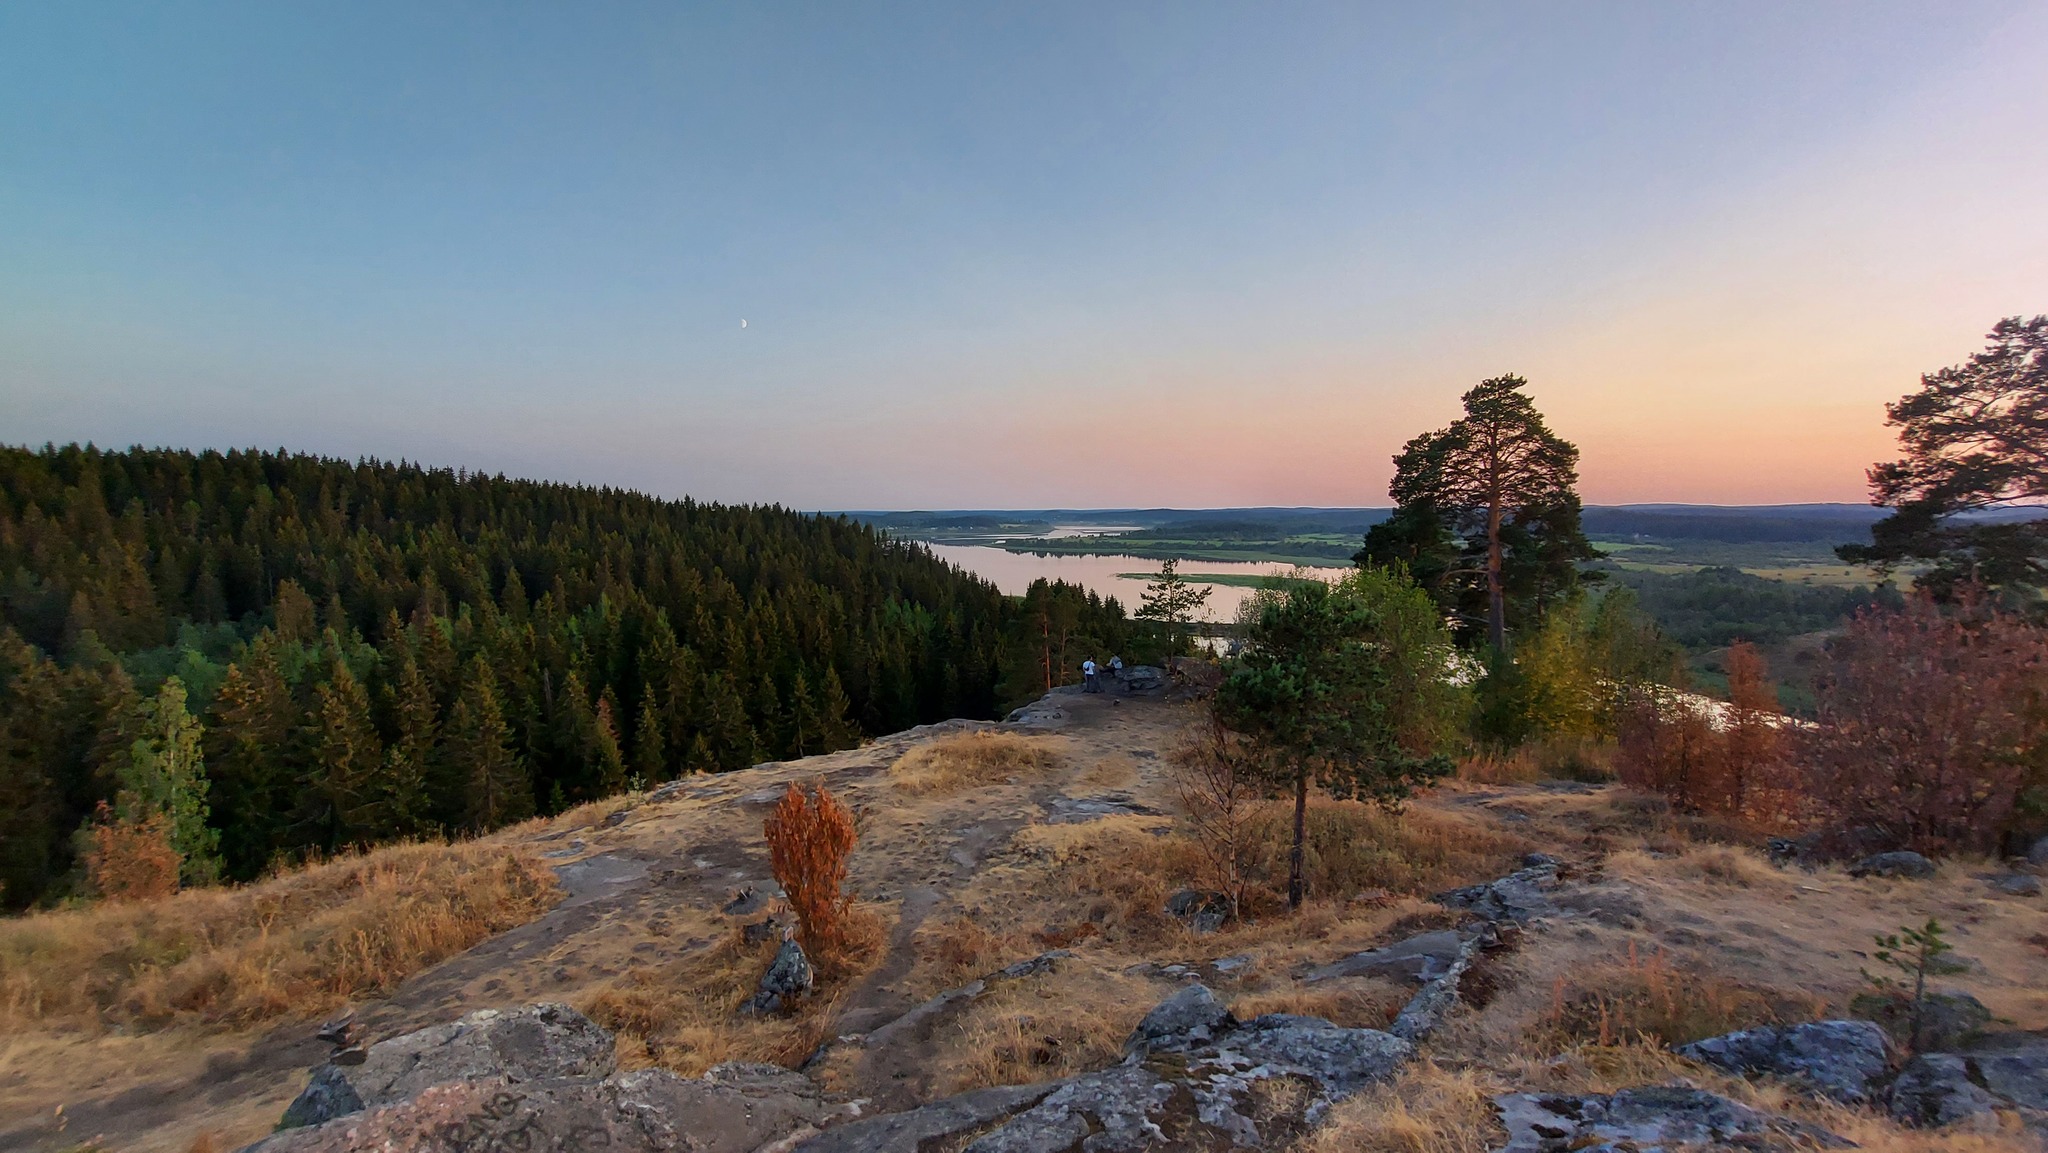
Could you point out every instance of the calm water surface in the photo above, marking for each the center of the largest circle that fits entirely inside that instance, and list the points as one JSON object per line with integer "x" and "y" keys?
{"x": 1013, "y": 572}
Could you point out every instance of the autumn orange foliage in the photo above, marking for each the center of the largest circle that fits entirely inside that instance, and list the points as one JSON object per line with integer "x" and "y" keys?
{"x": 131, "y": 860}
{"x": 1730, "y": 765}
{"x": 810, "y": 842}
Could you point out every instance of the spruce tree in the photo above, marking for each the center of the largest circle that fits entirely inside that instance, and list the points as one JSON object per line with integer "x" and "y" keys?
{"x": 496, "y": 789}
{"x": 650, "y": 756}
{"x": 417, "y": 787}
{"x": 609, "y": 757}
{"x": 352, "y": 794}
{"x": 249, "y": 750}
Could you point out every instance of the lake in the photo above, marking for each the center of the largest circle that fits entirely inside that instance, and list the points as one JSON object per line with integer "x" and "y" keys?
{"x": 1013, "y": 572}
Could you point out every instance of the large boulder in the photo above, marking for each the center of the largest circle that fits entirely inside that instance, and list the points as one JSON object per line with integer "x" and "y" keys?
{"x": 1934, "y": 1090}
{"x": 1191, "y": 1017}
{"x": 2014, "y": 1066}
{"x": 2038, "y": 854}
{"x": 1837, "y": 1059}
{"x": 649, "y": 1111}
{"x": 1910, "y": 865}
{"x": 513, "y": 1046}
{"x": 1657, "y": 1117}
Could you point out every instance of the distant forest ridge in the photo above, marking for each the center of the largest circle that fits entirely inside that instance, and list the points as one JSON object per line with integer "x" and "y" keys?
{"x": 1835, "y": 523}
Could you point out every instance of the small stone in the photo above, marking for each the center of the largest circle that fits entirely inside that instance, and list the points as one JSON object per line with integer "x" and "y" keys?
{"x": 1538, "y": 860}
{"x": 2018, "y": 885}
{"x": 759, "y": 931}
{"x": 328, "y": 1095}
{"x": 1906, "y": 864}
{"x": 1204, "y": 911}
{"x": 743, "y": 902}
{"x": 789, "y": 977}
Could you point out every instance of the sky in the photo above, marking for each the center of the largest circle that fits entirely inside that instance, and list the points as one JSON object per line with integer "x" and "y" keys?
{"x": 1013, "y": 255}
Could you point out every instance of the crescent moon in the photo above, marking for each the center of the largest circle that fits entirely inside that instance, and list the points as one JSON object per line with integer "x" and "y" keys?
{"x": 743, "y": 324}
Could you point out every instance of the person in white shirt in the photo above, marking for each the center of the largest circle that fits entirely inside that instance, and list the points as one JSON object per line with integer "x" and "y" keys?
{"x": 1088, "y": 684}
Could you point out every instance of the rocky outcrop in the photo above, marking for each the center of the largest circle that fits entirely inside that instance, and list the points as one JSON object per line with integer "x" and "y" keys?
{"x": 731, "y": 1110}
{"x": 533, "y": 1043}
{"x": 1909, "y": 865}
{"x": 1192, "y": 1076}
{"x": 1521, "y": 897}
{"x": 1657, "y": 1117}
{"x": 1836, "y": 1059}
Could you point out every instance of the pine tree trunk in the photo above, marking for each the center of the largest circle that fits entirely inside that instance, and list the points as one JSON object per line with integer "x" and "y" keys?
{"x": 1496, "y": 597}
{"x": 1297, "y": 884}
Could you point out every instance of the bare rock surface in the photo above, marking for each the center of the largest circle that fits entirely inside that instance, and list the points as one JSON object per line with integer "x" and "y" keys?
{"x": 1195, "y": 1077}
{"x": 1837, "y": 1059}
{"x": 539, "y": 1041}
{"x": 1522, "y": 896}
{"x": 1421, "y": 959}
{"x": 1934, "y": 1090}
{"x": 648, "y": 1110}
{"x": 1652, "y": 1119}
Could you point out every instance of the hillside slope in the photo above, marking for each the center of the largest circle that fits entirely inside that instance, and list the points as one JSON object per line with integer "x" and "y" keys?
{"x": 1656, "y": 937}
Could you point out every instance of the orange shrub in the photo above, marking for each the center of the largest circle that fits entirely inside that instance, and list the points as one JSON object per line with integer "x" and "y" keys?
{"x": 810, "y": 841}
{"x": 1933, "y": 725}
{"x": 131, "y": 860}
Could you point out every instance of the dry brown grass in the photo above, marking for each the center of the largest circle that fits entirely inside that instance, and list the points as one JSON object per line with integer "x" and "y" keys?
{"x": 685, "y": 1016}
{"x": 1427, "y": 1109}
{"x": 1044, "y": 1027}
{"x": 1645, "y": 996}
{"x": 1354, "y": 1004}
{"x": 959, "y": 949}
{"x": 296, "y": 945}
{"x": 964, "y": 760}
{"x": 1499, "y": 767}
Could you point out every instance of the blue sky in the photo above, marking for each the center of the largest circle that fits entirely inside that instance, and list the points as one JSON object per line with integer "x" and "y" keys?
{"x": 1024, "y": 255}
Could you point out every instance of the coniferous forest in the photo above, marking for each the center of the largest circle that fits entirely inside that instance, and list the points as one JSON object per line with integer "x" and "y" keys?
{"x": 300, "y": 654}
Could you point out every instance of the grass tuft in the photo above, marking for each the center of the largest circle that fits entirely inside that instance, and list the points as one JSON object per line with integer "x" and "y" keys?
{"x": 966, "y": 760}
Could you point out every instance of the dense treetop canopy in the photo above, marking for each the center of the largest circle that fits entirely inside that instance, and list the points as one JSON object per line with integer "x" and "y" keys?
{"x": 380, "y": 649}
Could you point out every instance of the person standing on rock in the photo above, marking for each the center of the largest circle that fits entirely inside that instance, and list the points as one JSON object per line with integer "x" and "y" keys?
{"x": 1088, "y": 683}
{"x": 1116, "y": 670}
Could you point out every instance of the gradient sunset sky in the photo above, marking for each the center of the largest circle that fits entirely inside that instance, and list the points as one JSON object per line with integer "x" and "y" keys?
{"x": 1027, "y": 255}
